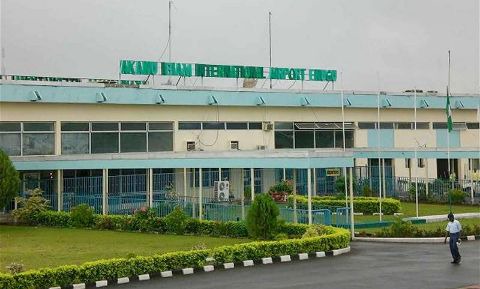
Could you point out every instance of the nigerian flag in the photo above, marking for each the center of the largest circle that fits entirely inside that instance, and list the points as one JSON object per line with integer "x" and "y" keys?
{"x": 448, "y": 110}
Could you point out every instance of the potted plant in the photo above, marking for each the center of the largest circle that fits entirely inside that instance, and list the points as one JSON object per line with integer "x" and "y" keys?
{"x": 280, "y": 191}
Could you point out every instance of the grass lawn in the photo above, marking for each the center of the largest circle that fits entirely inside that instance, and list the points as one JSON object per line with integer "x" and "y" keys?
{"x": 430, "y": 226}
{"x": 38, "y": 247}
{"x": 408, "y": 210}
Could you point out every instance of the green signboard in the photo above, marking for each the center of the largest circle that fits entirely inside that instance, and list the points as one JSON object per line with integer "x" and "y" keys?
{"x": 224, "y": 71}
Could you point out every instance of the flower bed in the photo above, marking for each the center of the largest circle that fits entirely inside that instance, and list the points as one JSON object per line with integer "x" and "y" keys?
{"x": 365, "y": 205}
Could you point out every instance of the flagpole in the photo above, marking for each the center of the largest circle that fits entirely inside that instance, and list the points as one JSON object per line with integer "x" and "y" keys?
{"x": 270, "y": 44}
{"x": 449, "y": 128}
{"x": 343, "y": 133}
{"x": 416, "y": 158}
{"x": 378, "y": 152}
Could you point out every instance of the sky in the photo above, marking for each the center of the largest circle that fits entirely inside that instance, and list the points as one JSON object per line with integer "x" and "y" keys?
{"x": 374, "y": 45}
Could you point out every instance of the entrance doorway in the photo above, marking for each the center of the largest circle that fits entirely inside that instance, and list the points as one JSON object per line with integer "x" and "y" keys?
{"x": 442, "y": 168}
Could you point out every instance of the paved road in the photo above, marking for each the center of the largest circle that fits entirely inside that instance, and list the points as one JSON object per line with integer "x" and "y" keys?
{"x": 369, "y": 265}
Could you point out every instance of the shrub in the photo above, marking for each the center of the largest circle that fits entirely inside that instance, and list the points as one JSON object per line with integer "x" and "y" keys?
{"x": 310, "y": 233}
{"x": 281, "y": 236}
{"x": 9, "y": 180}
{"x": 145, "y": 219}
{"x": 176, "y": 221}
{"x": 30, "y": 208}
{"x": 247, "y": 193}
{"x": 340, "y": 185}
{"x": 82, "y": 216}
{"x": 262, "y": 218}
{"x": 402, "y": 228}
{"x": 54, "y": 219}
{"x": 456, "y": 196}
{"x": 367, "y": 191}
{"x": 283, "y": 186}
{"x": 15, "y": 268}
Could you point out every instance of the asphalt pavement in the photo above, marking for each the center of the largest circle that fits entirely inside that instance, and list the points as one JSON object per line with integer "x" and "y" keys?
{"x": 368, "y": 265}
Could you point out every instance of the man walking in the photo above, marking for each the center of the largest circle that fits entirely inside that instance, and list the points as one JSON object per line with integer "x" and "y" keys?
{"x": 453, "y": 228}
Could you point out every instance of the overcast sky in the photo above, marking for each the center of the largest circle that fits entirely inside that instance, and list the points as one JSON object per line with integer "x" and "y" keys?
{"x": 404, "y": 43}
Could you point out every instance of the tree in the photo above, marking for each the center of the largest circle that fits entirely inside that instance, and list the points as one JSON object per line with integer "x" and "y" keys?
{"x": 262, "y": 217}
{"x": 9, "y": 180}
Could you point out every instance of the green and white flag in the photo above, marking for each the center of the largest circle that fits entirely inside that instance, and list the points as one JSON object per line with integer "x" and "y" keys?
{"x": 448, "y": 110}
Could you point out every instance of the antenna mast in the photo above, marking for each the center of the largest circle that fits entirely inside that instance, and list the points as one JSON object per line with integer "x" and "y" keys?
{"x": 270, "y": 43}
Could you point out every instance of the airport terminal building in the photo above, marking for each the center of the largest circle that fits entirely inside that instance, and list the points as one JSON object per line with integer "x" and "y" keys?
{"x": 121, "y": 143}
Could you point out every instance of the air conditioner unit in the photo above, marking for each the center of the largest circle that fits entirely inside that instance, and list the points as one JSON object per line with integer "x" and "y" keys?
{"x": 221, "y": 190}
{"x": 190, "y": 145}
{"x": 266, "y": 125}
{"x": 261, "y": 147}
{"x": 234, "y": 145}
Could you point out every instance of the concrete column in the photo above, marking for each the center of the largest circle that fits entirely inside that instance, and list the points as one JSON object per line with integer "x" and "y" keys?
{"x": 252, "y": 183}
{"x": 352, "y": 218}
{"x": 242, "y": 195}
{"x": 471, "y": 180}
{"x": 284, "y": 174}
{"x": 314, "y": 181}
{"x": 200, "y": 194}
{"x": 309, "y": 192}
{"x": 59, "y": 190}
{"x": 384, "y": 185}
{"x": 194, "y": 194}
{"x": 105, "y": 192}
{"x": 185, "y": 185}
{"x": 426, "y": 177}
{"x": 58, "y": 138}
{"x": 150, "y": 187}
{"x": 220, "y": 174}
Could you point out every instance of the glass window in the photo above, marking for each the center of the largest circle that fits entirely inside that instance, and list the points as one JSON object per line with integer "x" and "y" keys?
{"x": 160, "y": 126}
{"x": 349, "y": 138}
{"x": 10, "y": 143}
{"x": 439, "y": 125}
{"x": 386, "y": 125}
{"x": 254, "y": 125}
{"x": 75, "y": 126}
{"x": 423, "y": 125}
{"x": 38, "y": 126}
{"x": 404, "y": 125}
{"x": 160, "y": 141}
{"x": 183, "y": 125}
{"x": 133, "y": 142}
{"x": 304, "y": 139}
{"x": 283, "y": 125}
{"x": 75, "y": 143}
{"x": 9, "y": 126}
{"x": 237, "y": 125}
{"x": 38, "y": 144}
{"x": 324, "y": 139}
{"x": 472, "y": 125}
{"x": 366, "y": 125}
{"x": 106, "y": 142}
{"x": 284, "y": 139}
{"x": 104, "y": 126}
{"x": 133, "y": 126}
{"x": 213, "y": 125}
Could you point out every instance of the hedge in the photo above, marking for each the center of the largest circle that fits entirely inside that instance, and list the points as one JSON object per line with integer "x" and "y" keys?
{"x": 336, "y": 238}
{"x": 366, "y": 205}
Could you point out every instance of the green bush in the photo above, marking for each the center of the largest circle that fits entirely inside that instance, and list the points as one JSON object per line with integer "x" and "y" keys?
{"x": 400, "y": 229}
{"x": 367, "y": 191}
{"x": 82, "y": 216}
{"x": 54, "y": 219}
{"x": 112, "y": 269}
{"x": 145, "y": 219}
{"x": 283, "y": 186}
{"x": 456, "y": 196}
{"x": 262, "y": 218}
{"x": 364, "y": 205}
{"x": 340, "y": 185}
{"x": 176, "y": 221}
{"x": 29, "y": 208}
{"x": 9, "y": 180}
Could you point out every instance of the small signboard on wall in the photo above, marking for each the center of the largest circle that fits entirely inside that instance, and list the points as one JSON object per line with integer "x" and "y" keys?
{"x": 332, "y": 172}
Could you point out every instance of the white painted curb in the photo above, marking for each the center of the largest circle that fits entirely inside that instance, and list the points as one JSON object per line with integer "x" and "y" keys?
{"x": 187, "y": 271}
{"x": 228, "y": 265}
{"x": 303, "y": 256}
{"x": 267, "y": 260}
{"x": 79, "y": 286}
{"x": 341, "y": 251}
{"x": 248, "y": 263}
{"x": 144, "y": 277}
{"x": 208, "y": 268}
{"x": 55, "y": 288}
{"x": 101, "y": 283}
{"x": 470, "y": 238}
{"x": 166, "y": 274}
{"x": 320, "y": 254}
{"x": 285, "y": 258}
{"x": 123, "y": 280}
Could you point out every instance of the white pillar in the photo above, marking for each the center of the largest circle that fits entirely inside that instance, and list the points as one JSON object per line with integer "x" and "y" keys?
{"x": 345, "y": 185}
{"x": 252, "y": 183}
{"x": 105, "y": 192}
{"x": 426, "y": 177}
{"x": 184, "y": 185}
{"x": 59, "y": 190}
{"x": 314, "y": 181}
{"x": 309, "y": 192}
{"x": 352, "y": 219}
{"x": 295, "y": 219}
{"x": 471, "y": 180}
{"x": 194, "y": 194}
{"x": 220, "y": 174}
{"x": 383, "y": 179}
{"x": 200, "y": 194}
{"x": 284, "y": 174}
{"x": 150, "y": 188}
{"x": 242, "y": 195}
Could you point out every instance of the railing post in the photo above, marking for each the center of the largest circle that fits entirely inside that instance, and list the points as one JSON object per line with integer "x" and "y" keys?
{"x": 252, "y": 184}
{"x": 352, "y": 219}
{"x": 185, "y": 186}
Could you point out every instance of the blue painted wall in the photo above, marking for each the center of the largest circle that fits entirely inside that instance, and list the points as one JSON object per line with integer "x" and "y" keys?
{"x": 442, "y": 138}
{"x": 386, "y": 136}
